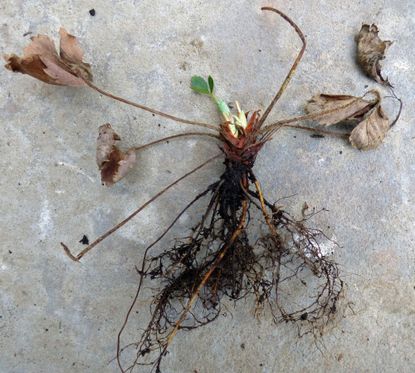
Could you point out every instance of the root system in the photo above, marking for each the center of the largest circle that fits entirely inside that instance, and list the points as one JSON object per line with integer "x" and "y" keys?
{"x": 221, "y": 260}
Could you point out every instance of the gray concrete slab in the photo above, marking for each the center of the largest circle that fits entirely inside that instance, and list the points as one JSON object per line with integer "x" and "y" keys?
{"x": 59, "y": 316}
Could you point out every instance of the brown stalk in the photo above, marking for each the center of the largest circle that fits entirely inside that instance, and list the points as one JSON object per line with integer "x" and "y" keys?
{"x": 153, "y": 111}
{"x": 318, "y": 130}
{"x": 142, "y": 147}
{"x": 129, "y": 217}
{"x": 293, "y": 67}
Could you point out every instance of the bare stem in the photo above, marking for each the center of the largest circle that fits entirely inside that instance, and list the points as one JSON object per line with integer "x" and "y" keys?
{"x": 145, "y": 146}
{"x": 318, "y": 130}
{"x": 293, "y": 67}
{"x": 129, "y": 217}
{"x": 153, "y": 111}
{"x": 400, "y": 106}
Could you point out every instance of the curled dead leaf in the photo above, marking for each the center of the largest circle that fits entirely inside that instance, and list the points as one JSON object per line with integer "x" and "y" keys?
{"x": 370, "y": 51}
{"x": 42, "y": 61}
{"x": 340, "y": 107}
{"x": 113, "y": 163}
{"x": 372, "y": 122}
{"x": 370, "y": 132}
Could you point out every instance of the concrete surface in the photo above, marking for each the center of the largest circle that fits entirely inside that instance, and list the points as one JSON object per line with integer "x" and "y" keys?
{"x": 59, "y": 316}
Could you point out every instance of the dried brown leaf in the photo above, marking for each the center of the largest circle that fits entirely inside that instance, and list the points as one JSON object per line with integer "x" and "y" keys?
{"x": 370, "y": 51}
{"x": 340, "y": 107}
{"x": 31, "y": 65}
{"x": 61, "y": 75}
{"x": 70, "y": 49}
{"x": 42, "y": 61}
{"x": 72, "y": 53}
{"x": 41, "y": 45}
{"x": 370, "y": 133}
{"x": 113, "y": 163}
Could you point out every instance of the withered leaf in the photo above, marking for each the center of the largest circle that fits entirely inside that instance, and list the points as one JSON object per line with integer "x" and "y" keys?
{"x": 72, "y": 54}
{"x": 113, "y": 163}
{"x": 370, "y": 132}
{"x": 42, "y": 61}
{"x": 372, "y": 122}
{"x": 370, "y": 51}
{"x": 340, "y": 107}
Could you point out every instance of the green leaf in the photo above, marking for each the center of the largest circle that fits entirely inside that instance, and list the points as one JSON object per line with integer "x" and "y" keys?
{"x": 211, "y": 84}
{"x": 200, "y": 85}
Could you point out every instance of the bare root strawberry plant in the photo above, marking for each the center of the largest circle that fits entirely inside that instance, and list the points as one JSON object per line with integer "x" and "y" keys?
{"x": 222, "y": 257}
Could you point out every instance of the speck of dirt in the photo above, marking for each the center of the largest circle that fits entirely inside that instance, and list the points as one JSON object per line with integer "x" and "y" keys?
{"x": 92, "y": 12}
{"x": 243, "y": 346}
{"x": 184, "y": 66}
{"x": 197, "y": 43}
{"x": 341, "y": 152}
{"x": 84, "y": 240}
{"x": 10, "y": 252}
